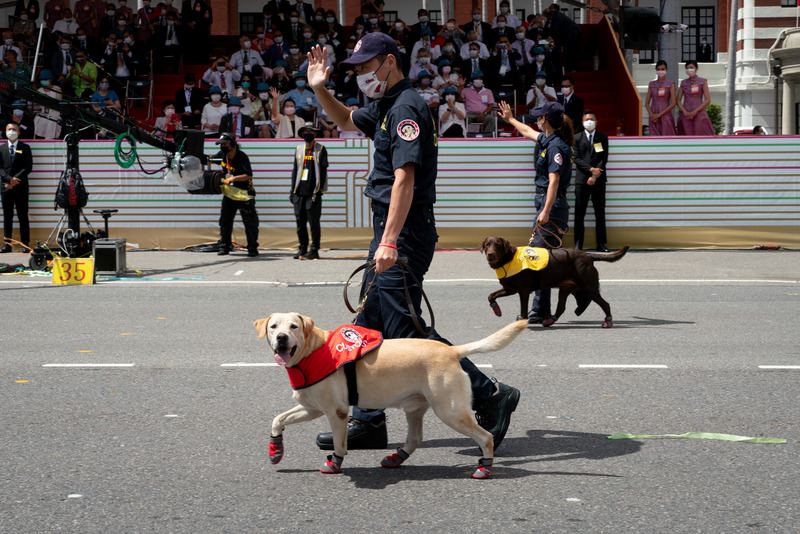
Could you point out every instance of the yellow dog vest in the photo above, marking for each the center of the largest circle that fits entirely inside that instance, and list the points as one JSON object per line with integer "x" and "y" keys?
{"x": 532, "y": 258}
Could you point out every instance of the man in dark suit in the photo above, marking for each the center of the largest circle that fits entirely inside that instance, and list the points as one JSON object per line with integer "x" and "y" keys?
{"x": 591, "y": 158}
{"x": 189, "y": 102}
{"x": 482, "y": 29}
{"x": 704, "y": 52}
{"x": 236, "y": 122}
{"x": 474, "y": 64}
{"x": 573, "y": 104}
{"x": 16, "y": 164}
{"x": 424, "y": 22}
{"x": 169, "y": 43}
{"x": 503, "y": 65}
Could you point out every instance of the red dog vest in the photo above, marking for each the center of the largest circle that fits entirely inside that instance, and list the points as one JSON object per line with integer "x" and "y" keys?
{"x": 345, "y": 344}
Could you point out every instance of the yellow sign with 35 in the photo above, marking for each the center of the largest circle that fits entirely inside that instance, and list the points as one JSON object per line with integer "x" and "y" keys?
{"x": 73, "y": 271}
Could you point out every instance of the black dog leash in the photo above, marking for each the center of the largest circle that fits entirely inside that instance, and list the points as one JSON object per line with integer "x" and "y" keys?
{"x": 402, "y": 262}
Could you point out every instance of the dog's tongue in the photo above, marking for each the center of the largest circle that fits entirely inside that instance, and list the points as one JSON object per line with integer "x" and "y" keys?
{"x": 283, "y": 355}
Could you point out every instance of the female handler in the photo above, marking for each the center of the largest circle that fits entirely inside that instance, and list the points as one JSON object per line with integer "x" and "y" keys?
{"x": 553, "y": 173}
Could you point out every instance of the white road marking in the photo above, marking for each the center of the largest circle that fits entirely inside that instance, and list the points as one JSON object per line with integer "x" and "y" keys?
{"x": 85, "y": 365}
{"x": 484, "y": 365}
{"x": 779, "y": 366}
{"x": 621, "y": 366}
{"x": 237, "y": 273}
{"x": 243, "y": 364}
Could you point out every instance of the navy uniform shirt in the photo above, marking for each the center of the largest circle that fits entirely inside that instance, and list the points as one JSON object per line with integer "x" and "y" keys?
{"x": 239, "y": 164}
{"x": 554, "y": 155}
{"x": 402, "y": 129}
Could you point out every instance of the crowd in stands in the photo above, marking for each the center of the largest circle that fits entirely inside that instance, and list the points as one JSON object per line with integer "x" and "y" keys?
{"x": 461, "y": 68}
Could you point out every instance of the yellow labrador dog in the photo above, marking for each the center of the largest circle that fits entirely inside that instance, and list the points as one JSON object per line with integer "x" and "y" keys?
{"x": 412, "y": 374}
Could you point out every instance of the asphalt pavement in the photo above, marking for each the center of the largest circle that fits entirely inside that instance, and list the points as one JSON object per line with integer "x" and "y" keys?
{"x": 143, "y": 403}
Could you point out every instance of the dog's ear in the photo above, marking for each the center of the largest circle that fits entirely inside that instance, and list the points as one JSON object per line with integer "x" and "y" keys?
{"x": 261, "y": 327}
{"x": 308, "y": 325}
{"x": 508, "y": 248}
{"x": 485, "y": 245}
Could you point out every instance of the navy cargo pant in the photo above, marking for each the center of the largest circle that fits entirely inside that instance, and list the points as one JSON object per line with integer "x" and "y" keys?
{"x": 386, "y": 308}
{"x": 559, "y": 220}
{"x": 249, "y": 217}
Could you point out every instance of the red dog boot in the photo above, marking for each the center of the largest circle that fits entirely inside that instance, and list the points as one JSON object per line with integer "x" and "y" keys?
{"x": 496, "y": 309}
{"x": 484, "y": 469}
{"x": 275, "y": 449}
{"x": 608, "y": 323}
{"x": 332, "y": 465}
{"x": 396, "y": 459}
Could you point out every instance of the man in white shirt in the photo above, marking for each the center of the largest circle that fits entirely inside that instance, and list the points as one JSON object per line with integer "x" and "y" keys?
{"x": 423, "y": 63}
{"x": 525, "y": 47}
{"x": 246, "y": 57}
{"x": 8, "y": 44}
{"x": 472, "y": 37}
{"x": 67, "y": 25}
{"x": 511, "y": 19}
{"x": 223, "y": 75}
{"x": 540, "y": 94}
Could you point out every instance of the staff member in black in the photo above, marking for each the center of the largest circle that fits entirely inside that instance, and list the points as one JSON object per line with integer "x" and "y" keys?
{"x": 402, "y": 190}
{"x": 591, "y": 158}
{"x": 309, "y": 182}
{"x": 553, "y": 170}
{"x": 238, "y": 173}
{"x": 16, "y": 164}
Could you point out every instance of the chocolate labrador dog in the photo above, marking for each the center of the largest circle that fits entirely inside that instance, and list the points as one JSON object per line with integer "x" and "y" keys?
{"x": 567, "y": 269}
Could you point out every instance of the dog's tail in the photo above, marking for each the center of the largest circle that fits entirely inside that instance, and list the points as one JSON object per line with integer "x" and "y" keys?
{"x": 495, "y": 342}
{"x": 609, "y": 256}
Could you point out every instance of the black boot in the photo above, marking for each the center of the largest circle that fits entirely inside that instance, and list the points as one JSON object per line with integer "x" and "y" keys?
{"x": 300, "y": 252}
{"x": 360, "y": 435}
{"x": 494, "y": 415}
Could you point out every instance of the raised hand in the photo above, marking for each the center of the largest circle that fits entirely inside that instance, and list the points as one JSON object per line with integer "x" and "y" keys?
{"x": 318, "y": 69}
{"x": 505, "y": 111}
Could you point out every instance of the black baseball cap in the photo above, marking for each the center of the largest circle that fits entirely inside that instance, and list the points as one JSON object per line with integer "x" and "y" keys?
{"x": 551, "y": 111}
{"x": 371, "y": 45}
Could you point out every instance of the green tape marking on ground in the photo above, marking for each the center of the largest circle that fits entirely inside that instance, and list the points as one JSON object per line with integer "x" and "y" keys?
{"x": 699, "y": 435}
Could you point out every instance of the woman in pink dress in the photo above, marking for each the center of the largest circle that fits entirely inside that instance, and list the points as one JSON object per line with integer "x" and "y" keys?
{"x": 693, "y": 99}
{"x": 660, "y": 102}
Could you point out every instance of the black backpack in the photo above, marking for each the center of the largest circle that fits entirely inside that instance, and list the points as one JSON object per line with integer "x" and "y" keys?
{"x": 70, "y": 194}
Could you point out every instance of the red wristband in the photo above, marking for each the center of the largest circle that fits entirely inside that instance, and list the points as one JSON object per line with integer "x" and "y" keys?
{"x": 388, "y": 245}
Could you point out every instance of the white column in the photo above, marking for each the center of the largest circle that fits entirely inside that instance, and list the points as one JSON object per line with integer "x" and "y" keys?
{"x": 341, "y": 12}
{"x": 787, "y": 122}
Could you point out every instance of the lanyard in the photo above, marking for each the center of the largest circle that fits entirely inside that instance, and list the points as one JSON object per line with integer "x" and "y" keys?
{"x": 310, "y": 152}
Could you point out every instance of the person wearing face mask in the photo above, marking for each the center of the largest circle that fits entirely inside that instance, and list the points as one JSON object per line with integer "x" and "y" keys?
{"x": 288, "y": 123}
{"x": 423, "y": 63}
{"x": 127, "y": 12}
{"x": 280, "y": 78}
{"x": 105, "y": 100}
{"x": 261, "y": 111}
{"x": 452, "y": 114}
{"x": 327, "y": 126}
{"x": 53, "y": 12}
{"x": 543, "y": 62}
{"x": 302, "y": 10}
{"x": 479, "y": 102}
{"x": 402, "y": 189}
{"x": 501, "y": 29}
{"x": 107, "y": 20}
{"x": 323, "y": 41}
{"x": 705, "y": 54}
{"x": 278, "y": 50}
{"x": 84, "y": 76}
{"x": 170, "y": 39}
{"x": 446, "y": 78}
{"x": 502, "y": 66}
{"x": 427, "y": 92}
{"x": 66, "y": 25}
{"x": 511, "y": 20}
{"x": 168, "y": 122}
{"x": 247, "y": 94}
{"x": 400, "y": 32}
{"x": 309, "y": 182}
{"x": 308, "y": 40}
{"x": 295, "y": 59}
{"x": 693, "y": 98}
{"x": 16, "y": 163}
{"x": 591, "y": 158}
{"x": 474, "y": 62}
{"x": 244, "y": 59}
{"x": 145, "y": 18}
{"x": 524, "y": 47}
{"x": 451, "y": 32}
{"x": 426, "y": 43}
{"x": 86, "y": 17}
{"x": 45, "y": 125}
{"x": 573, "y": 104}
{"x": 213, "y": 111}
{"x": 660, "y": 101}
{"x": 189, "y": 101}
{"x": 223, "y": 75}
{"x": 451, "y": 55}
{"x": 424, "y": 23}
{"x": 15, "y": 69}
{"x": 292, "y": 28}
{"x": 540, "y": 94}
{"x": 235, "y": 122}
{"x": 553, "y": 161}
{"x": 8, "y": 44}
{"x": 482, "y": 29}
{"x": 23, "y": 120}
{"x": 61, "y": 63}
{"x": 198, "y": 17}
{"x": 466, "y": 48}
{"x": 238, "y": 173}
{"x": 303, "y": 97}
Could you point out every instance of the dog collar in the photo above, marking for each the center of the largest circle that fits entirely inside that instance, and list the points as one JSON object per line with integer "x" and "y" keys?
{"x": 345, "y": 344}
{"x": 533, "y": 258}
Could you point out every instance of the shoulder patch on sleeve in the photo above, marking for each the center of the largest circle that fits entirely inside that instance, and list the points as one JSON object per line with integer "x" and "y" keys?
{"x": 408, "y": 130}
{"x": 558, "y": 158}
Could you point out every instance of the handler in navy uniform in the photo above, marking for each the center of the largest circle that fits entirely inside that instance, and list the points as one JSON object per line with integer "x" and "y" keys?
{"x": 402, "y": 189}
{"x": 553, "y": 173}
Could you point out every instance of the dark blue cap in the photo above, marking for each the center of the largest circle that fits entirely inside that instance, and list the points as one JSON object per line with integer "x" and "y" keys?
{"x": 371, "y": 45}
{"x": 551, "y": 111}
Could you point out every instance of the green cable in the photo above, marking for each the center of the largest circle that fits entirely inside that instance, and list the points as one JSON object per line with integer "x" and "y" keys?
{"x": 125, "y": 159}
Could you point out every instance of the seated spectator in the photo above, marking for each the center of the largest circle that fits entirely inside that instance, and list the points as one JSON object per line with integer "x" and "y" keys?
{"x": 539, "y": 94}
{"x": 213, "y": 111}
{"x": 277, "y": 50}
{"x": 474, "y": 63}
{"x": 450, "y": 53}
{"x": 61, "y": 62}
{"x": 446, "y": 78}
{"x": 318, "y": 24}
{"x": 288, "y": 123}
{"x": 505, "y": 15}
{"x": 451, "y": 32}
{"x": 246, "y": 58}
{"x": 480, "y": 28}
{"x": 189, "y": 102}
{"x": 261, "y": 111}
{"x": 452, "y": 114}
{"x": 83, "y": 76}
{"x": 168, "y": 122}
{"x": 89, "y": 45}
{"x": 351, "y": 103}
{"x": 524, "y": 47}
{"x": 428, "y": 93}
{"x": 261, "y": 44}
{"x": 478, "y": 102}
{"x": 308, "y": 40}
{"x": 293, "y": 30}
{"x": 139, "y": 54}
{"x": 501, "y": 30}
{"x": 22, "y": 119}
{"x": 327, "y": 126}
{"x": 543, "y": 62}
{"x": 169, "y": 42}
{"x": 303, "y": 97}
{"x": 117, "y": 61}
{"x": 322, "y": 39}
{"x": 483, "y": 51}
{"x": 295, "y": 59}
{"x": 503, "y": 65}
{"x": 280, "y": 78}
{"x": 434, "y": 51}
{"x": 106, "y": 103}
{"x": 423, "y": 24}
{"x": 124, "y": 11}
{"x": 401, "y": 32}
{"x": 45, "y": 124}
{"x": 67, "y": 25}
{"x": 108, "y": 21}
{"x": 423, "y": 62}
{"x": 374, "y": 22}
{"x": 245, "y": 93}
{"x": 236, "y": 122}
{"x": 9, "y": 44}
{"x": 13, "y": 68}
{"x": 222, "y": 75}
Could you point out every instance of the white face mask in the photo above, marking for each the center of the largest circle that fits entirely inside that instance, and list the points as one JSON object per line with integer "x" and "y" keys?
{"x": 246, "y": 44}
{"x": 169, "y": 112}
{"x": 477, "y": 84}
{"x": 12, "y": 135}
{"x": 424, "y": 60}
{"x": 216, "y": 97}
{"x": 501, "y": 25}
{"x": 521, "y": 36}
{"x": 322, "y": 41}
{"x": 476, "y": 17}
{"x": 370, "y": 85}
{"x": 446, "y": 70}
{"x": 540, "y": 81}
{"x": 398, "y": 26}
{"x": 451, "y": 98}
{"x": 690, "y": 72}
{"x": 566, "y": 91}
{"x": 307, "y": 35}
{"x": 589, "y": 125}
{"x": 234, "y": 109}
{"x": 504, "y": 10}
{"x": 661, "y": 73}
{"x": 332, "y": 91}
{"x": 263, "y": 96}
{"x": 289, "y": 110}
{"x": 423, "y": 18}
{"x": 473, "y": 53}
{"x": 278, "y": 39}
{"x": 64, "y": 46}
{"x": 539, "y": 57}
